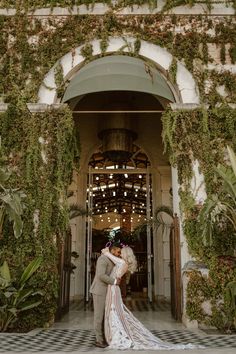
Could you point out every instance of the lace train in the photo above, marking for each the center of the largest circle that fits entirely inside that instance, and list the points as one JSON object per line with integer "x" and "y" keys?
{"x": 124, "y": 331}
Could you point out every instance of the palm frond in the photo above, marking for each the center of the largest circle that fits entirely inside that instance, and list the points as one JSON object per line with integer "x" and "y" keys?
{"x": 159, "y": 219}
{"x": 220, "y": 207}
{"x": 229, "y": 179}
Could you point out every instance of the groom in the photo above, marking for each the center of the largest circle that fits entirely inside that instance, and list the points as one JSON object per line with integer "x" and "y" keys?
{"x": 99, "y": 289}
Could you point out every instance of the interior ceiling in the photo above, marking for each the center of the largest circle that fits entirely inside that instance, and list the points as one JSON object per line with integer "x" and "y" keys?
{"x": 119, "y": 193}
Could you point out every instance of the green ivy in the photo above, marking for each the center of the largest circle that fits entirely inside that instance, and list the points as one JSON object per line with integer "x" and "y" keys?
{"x": 34, "y": 4}
{"x": 87, "y": 51}
{"x": 202, "y": 134}
{"x": 38, "y": 45}
{"x": 173, "y": 70}
{"x": 210, "y": 289}
{"x": 199, "y": 134}
{"x": 41, "y": 148}
{"x": 59, "y": 80}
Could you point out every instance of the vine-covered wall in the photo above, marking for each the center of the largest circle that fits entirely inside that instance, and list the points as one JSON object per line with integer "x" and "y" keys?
{"x": 202, "y": 134}
{"x": 169, "y": 4}
{"x": 30, "y": 46}
{"x": 41, "y": 148}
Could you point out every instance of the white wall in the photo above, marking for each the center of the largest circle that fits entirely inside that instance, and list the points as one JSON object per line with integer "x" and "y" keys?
{"x": 161, "y": 196}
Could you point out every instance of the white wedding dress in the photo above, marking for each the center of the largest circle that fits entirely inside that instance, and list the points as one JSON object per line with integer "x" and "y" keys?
{"x": 122, "y": 329}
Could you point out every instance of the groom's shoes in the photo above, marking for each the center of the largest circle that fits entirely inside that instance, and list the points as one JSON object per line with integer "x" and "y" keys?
{"x": 101, "y": 345}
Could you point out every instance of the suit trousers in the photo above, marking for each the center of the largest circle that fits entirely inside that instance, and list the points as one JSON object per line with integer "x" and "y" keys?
{"x": 99, "y": 311}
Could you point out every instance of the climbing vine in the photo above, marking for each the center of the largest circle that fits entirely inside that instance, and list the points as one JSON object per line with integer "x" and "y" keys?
{"x": 31, "y": 46}
{"x": 199, "y": 134}
{"x": 34, "y": 4}
{"x": 41, "y": 147}
{"x": 202, "y": 134}
{"x": 206, "y": 294}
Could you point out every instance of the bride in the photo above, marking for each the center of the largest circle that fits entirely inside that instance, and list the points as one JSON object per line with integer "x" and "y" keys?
{"x": 122, "y": 329}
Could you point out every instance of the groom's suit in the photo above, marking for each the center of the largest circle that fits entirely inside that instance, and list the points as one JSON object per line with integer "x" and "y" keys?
{"x": 99, "y": 289}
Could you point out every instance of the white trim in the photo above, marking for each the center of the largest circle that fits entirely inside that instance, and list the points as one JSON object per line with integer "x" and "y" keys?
{"x": 188, "y": 92}
{"x": 184, "y": 106}
{"x": 218, "y": 8}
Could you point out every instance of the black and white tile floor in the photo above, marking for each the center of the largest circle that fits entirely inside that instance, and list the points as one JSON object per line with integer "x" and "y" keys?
{"x": 80, "y": 339}
{"x": 137, "y": 305}
{"x": 68, "y": 340}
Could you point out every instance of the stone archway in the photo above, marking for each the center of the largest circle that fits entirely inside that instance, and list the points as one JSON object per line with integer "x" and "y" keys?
{"x": 72, "y": 61}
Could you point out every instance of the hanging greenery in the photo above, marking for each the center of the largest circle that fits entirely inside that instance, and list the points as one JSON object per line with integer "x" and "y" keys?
{"x": 41, "y": 147}
{"x": 30, "y": 46}
{"x": 34, "y": 4}
{"x": 202, "y": 134}
{"x": 208, "y": 302}
{"x": 43, "y": 159}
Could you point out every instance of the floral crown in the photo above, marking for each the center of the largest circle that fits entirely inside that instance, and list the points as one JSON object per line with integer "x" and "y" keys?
{"x": 116, "y": 244}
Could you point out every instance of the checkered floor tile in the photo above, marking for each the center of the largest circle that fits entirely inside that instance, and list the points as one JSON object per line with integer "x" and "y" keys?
{"x": 67, "y": 340}
{"x": 144, "y": 305}
{"x": 132, "y": 304}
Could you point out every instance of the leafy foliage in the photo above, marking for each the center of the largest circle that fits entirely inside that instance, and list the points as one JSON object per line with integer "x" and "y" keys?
{"x": 11, "y": 206}
{"x": 39, "y": 43}
{"x": 220, "y": 208}
{"x": 44, "y": 159}
{"x": 15, "y": 294}
{"x": 219, "y": 211}
{"x": 230, "y": 299}
{"x": 216, "y": 292}
{"x": 203, "y": 135}
{"x": 162, "y": 217}
{"x": 41, "y": 147}
{"x": 32, "y": 4}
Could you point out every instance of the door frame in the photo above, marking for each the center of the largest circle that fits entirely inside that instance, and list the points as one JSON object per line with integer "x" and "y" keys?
{"x": 146, "y": 171}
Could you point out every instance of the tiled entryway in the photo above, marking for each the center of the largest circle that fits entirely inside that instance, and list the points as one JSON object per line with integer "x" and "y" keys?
{"x": 74, "y": 333}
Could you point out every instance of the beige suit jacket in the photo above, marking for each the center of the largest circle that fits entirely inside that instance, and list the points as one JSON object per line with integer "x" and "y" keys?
{"x": 102, "y": 276}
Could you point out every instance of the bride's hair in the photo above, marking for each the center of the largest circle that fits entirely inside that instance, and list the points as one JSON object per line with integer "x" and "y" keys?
{"x": 128, "y": 256}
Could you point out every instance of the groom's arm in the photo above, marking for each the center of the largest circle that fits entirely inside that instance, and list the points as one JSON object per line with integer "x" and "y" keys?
{"x": 123, "y": 267}
{"x": 101, "y": 271}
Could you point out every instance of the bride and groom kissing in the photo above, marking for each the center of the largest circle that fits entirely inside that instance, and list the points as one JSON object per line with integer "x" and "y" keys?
{"x": 115, "y": 326}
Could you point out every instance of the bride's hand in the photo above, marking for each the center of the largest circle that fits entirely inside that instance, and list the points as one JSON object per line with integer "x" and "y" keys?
{"x": 105, "y": 250}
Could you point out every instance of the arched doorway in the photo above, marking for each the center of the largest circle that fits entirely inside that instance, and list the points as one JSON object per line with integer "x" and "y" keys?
{"x": 184, "y": 90}
{"x": 128, "y": 109}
